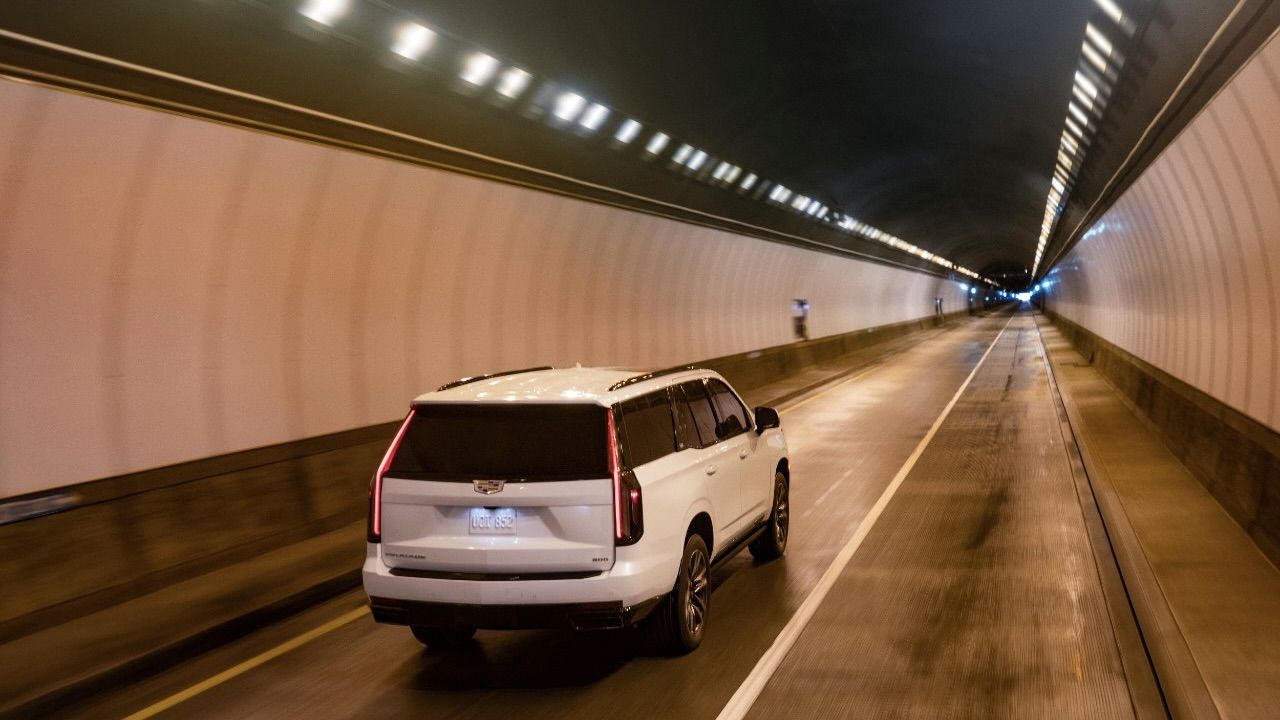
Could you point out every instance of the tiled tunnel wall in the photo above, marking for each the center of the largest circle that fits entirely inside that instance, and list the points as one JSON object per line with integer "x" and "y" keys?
{"x": 1175, "y": 292}
{"x": 174, "y": 289}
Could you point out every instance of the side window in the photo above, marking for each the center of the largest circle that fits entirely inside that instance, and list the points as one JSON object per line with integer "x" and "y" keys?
{"x": 704, "y": 419}
{"x": 731, "y": 413}
{"x": 647, "y": 430}
{"x": 686, "y": 427}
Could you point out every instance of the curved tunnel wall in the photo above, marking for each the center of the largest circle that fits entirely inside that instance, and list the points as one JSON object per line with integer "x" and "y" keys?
{"x": 172, "y": 288}
{"x": 1184, "y": 270}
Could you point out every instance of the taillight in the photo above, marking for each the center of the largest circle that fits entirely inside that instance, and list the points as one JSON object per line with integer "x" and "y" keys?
{"x": 628, "y": 515}
{"x": 375, "y": 488}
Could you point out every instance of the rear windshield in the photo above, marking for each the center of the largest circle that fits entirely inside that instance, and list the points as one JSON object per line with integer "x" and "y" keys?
{"x": 512, "y": 442}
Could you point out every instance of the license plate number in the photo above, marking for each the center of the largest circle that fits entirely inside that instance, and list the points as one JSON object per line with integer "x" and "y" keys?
{"x": 492, "y": 521}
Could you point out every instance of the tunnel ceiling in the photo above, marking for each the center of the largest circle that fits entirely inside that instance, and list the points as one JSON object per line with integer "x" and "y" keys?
{"x": 935, "y": 121}
{"x": 932, "y": 120}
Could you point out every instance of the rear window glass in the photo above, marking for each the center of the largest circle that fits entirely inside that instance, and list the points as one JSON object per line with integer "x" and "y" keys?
{"x": 647, "y": 430}
{"x": 513, "y": 442}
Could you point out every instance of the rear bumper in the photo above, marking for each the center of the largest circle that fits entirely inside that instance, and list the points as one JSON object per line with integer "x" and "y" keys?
{"x": 636, "y": 576}
{"x": 577, "y": 616}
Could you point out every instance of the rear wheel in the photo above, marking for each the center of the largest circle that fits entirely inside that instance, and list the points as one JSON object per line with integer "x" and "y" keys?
{"x": 438, "y": 637}
{"x": 678, "y": 624}
{"x": 773, "y": 543}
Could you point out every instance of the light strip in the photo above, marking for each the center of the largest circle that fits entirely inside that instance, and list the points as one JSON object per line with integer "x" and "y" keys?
{"x": 1092, "y": 56}
{"x": 627, "y": 132}
{"x": 657, "y": 143}
{"x": 513, "y": 82}
{"x": 412, "y": 40}
{"x": 1098, "y": 39}
{"x": 478, "y": 68}
{"x": 325, "y": 12}
{"x": 1112, "y": 11}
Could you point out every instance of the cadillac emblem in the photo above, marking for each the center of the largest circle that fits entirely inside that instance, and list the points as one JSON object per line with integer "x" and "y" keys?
{"x": 488, "y": 487}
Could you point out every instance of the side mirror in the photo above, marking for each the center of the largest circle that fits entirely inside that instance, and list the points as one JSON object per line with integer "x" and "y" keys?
{"x": 766, "y": 418}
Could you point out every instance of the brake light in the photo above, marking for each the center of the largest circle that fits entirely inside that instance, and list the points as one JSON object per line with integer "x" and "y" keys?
{"x": 375, "y": 488}
{"x": 628, "y": 516}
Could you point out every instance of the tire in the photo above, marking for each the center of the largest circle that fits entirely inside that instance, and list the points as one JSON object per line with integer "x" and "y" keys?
{"x": 773, "y": 543}
{"x": 678, "y": 624}
{"x": 438, "y": 637}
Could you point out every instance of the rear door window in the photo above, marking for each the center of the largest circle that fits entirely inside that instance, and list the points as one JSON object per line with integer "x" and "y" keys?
{"x": 648, "y": 431}
{"x": 462, "y": 442}
{"x": 704, "y": 418}
{"x": 729, "y": 410}
{"x": 686, "y": 429}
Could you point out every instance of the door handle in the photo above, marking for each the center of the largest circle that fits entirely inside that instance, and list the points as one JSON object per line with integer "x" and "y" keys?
{"x": 711, "y": 469}
{"x": 743, "y": 453}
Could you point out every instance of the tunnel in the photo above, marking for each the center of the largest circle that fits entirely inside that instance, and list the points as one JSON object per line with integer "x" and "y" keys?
{"x": 425, "y": 358}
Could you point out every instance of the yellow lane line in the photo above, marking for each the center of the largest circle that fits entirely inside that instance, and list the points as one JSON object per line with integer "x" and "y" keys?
{"x": 248, "y": 665}
{"x": 827, "y": 391}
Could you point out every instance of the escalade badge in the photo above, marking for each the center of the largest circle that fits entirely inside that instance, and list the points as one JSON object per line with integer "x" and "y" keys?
{"x": 488, "y": 487}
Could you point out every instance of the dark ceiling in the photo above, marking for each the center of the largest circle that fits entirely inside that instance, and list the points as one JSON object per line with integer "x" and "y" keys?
{"x": 935, "y": 120}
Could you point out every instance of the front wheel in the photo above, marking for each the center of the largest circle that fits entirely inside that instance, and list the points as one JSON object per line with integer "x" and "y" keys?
{"x": 678, "y": 624}
{"x": 773, "y": 543}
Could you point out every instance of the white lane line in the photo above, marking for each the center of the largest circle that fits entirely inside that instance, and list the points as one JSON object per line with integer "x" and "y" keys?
{"x": 825, "y": 493}
{"x": 753, "y": 685}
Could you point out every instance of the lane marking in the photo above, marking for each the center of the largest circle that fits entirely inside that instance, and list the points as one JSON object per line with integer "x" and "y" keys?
{"x": 830, "y": 389}
{"x": 767, "y": 665}
{"x": 825, "y": 493}
{"x": 249, "y": 664}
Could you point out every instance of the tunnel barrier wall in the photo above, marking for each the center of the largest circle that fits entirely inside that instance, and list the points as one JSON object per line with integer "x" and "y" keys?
{"x": 1175, "y": 292}
{"x": 140, "y": 532}
{"x": 1234, "y": 456}
{"x": 173, "y": 288}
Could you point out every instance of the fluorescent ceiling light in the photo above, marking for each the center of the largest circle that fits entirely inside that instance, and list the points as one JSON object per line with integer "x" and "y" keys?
{"x": 656, "y": 143}
{"x": 1070, "y": 142}
{"x": 721, "y": 170}
{"x": 1093, "y": 57}
{"x": 697, "y": 160}
{"x": 1084, "y": 99}
{"x": 513, "y": 82}
{"x": 1057, "y": 185}
{"x": 1112, "y": 11}
{"x": 1064, "y": 160}
{"x": 682, "y": 153}
{"x": 734, "y": 172}
{"x": 568, "y": 105}
{"x": 1098, "y": 39}
{"x": 1078, "y": 114}
{"x": 594, "y": 116}
{"x": 749, "y": 181}
{"x": 478, "y": 68}
{"x": 1086, "y": 84}
{"x": 627, "y": 132}
{"x": 1073, "y": 127}
{"x": 412, "y": 40}
{"x": 325, "y": 12}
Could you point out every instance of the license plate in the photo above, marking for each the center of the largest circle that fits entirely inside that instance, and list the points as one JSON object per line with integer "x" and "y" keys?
{"x": 495, "y": 521}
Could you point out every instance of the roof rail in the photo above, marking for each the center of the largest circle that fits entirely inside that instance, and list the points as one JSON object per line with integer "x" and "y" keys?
{"x": 651, "y": 375}
{"x": 478, "y": 378}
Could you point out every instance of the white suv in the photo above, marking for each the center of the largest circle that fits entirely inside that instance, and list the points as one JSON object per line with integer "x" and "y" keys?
{"x": 580, "y": 497}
